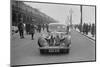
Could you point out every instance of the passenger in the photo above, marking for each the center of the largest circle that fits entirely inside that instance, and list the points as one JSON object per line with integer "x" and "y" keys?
{"x": 57, "y": 40}
{"x": 51, "y": 41}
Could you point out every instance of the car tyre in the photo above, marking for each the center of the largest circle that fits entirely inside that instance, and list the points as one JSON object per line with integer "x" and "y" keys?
{"x": 39, "y": 44}
{"x": 41, "y": 52}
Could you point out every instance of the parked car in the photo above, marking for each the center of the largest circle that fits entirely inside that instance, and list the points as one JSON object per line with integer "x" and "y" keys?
{"x": 57, "y": 40}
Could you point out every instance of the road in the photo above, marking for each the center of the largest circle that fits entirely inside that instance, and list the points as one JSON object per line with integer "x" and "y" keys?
{"x": 25, "y": 51}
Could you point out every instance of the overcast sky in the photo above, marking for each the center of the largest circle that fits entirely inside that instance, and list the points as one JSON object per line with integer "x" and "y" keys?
{"x": 61, "y": 12}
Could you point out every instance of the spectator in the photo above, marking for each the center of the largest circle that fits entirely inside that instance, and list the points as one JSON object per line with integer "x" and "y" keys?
{"x": 39, "y": 28}
{"x": 86, "y": 29}
{"x": 21, "y": 29}
{"x": 47, "y": 27}
{"x": 89, "y": 27}
{"x": 93, "y": 30}
{"x": 26, "y": 28}
{"x": 32, "y": 31}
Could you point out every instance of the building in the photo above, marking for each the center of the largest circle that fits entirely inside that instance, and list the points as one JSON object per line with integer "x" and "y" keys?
{"x": 27, "y": 14}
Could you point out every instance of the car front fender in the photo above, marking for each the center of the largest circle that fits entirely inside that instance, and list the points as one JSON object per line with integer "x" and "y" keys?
{"x": 41, "y": 41}
{"x": 68, "y": 40}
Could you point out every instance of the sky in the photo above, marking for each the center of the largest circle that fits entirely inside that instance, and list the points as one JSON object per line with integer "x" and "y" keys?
{"x": 62, "y": 12}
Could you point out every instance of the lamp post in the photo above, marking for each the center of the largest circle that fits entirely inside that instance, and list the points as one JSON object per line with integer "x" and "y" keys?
{"x": 71, "y": 11}
{"x": 81, "y": 19}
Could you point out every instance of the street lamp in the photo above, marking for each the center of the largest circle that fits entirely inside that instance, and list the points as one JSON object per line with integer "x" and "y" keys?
{"x": 81, "y": 18}
{"x": 71, "y": 11}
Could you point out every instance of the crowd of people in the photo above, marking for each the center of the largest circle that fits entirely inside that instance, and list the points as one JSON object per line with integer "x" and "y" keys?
{"x": 30, "y": 29}
{"x": 86, "y": 28}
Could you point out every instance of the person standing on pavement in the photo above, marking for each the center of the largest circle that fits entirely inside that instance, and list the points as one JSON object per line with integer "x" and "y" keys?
{"x": 47, "y": 27}
{"x": 36, "y": 27}
{"x": 86, "y": 29}
{"x": 21, "y": 29}
{"x": 27, "y": 28}
{"x": 39, "y": 28}
{"x": 32, "y": 31}
{"x": 93, "y": 30}
{"x": 84, "y": 26}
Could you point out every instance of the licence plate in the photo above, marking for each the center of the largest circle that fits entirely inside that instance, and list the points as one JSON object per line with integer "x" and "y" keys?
{"x": 53, "y": 50}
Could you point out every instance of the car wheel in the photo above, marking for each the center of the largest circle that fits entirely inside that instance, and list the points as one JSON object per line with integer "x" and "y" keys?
{"x": 39, "y": 44}
{"x": 41, "y": 52}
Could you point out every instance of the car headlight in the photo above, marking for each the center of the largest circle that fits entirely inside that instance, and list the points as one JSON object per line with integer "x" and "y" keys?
{"x": 62, "y": 44}
{"x": 44, "y": 35}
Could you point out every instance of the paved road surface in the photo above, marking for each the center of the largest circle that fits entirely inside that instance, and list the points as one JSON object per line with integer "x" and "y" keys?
{"x": 25, "y": 51}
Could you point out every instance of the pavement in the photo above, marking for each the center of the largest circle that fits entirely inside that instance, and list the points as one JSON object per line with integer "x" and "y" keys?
{"x": 89, "y": 35}
{"x": 25, "y": 51}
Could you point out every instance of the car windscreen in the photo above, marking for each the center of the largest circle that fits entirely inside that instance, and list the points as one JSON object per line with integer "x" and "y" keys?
{"x": 58, "y": 28}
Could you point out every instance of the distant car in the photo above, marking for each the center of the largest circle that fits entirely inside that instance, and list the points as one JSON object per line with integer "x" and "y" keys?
{"x": 57, "y": 40}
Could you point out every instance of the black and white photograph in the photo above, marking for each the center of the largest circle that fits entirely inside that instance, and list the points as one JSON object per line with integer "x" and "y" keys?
{"x": 51, "y": 33}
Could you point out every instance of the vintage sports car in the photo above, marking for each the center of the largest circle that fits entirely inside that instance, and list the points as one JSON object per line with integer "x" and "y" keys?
{"x": 56, "y": 41}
